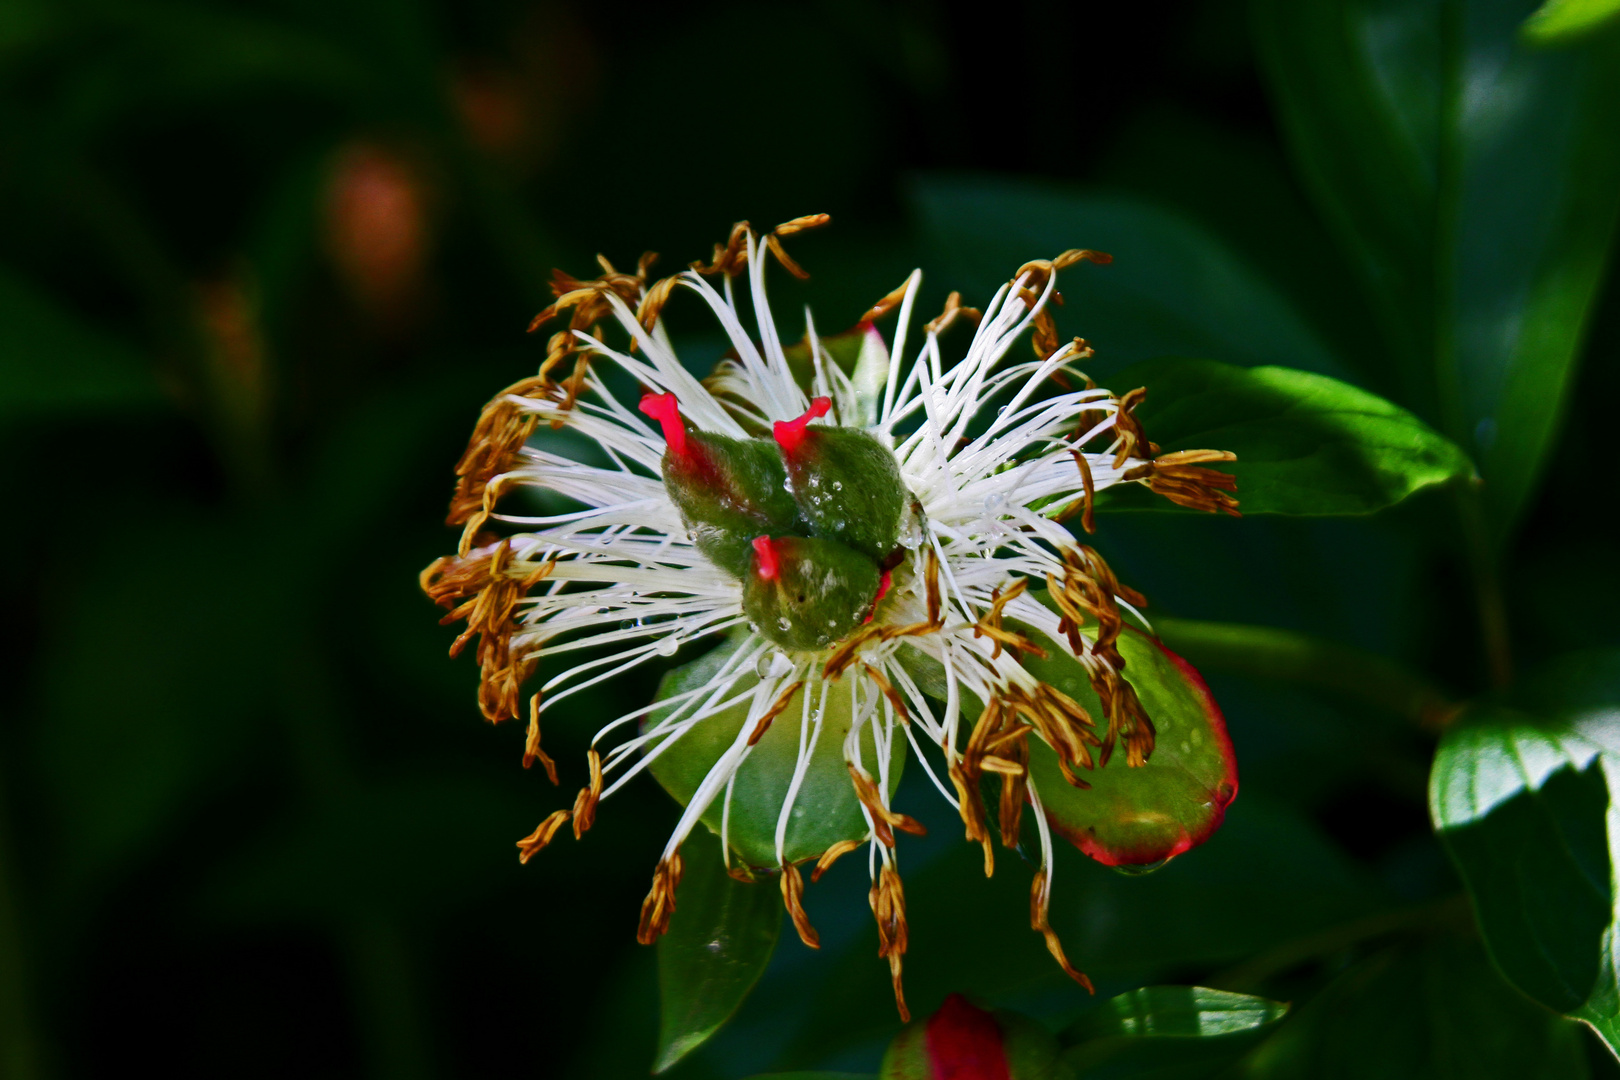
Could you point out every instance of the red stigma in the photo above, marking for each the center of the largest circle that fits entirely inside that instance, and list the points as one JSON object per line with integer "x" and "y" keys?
{"x": 790, "y": 433}
{"x": 664, "y": 409}
{"x": 883, "y": 590}
{"x": 766, "y": 556}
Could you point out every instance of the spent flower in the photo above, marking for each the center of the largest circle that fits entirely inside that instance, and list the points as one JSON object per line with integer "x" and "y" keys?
{"x": 877, "y": 551}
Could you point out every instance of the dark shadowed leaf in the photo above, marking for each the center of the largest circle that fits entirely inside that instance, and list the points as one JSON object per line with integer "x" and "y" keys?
{"x": 825, "y": 810}
{"x": 1167, "y": 1033}
{"x": 1521, "y": 803}
{"x": 1480, "y": 231}
{"x": 1172, "y": 288}
{"x": 719, "y": 940}
{"x": 1306, "y": 444}
{"x": 1416, "y": 1012}
{"x": 1141, "y": 816}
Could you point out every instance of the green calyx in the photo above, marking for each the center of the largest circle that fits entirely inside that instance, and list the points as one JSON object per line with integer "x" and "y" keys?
{"x": 807, "y": 520}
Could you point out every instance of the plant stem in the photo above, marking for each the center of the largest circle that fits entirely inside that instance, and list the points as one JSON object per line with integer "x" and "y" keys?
{"x": 1487, "y": 581}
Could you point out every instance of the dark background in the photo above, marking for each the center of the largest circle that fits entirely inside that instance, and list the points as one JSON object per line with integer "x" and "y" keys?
{"x": 261, "y": 263}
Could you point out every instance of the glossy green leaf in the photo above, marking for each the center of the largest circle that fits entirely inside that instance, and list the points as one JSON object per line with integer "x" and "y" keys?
{"x": 55, "y": 364}
{"x": 1475, "y": 183}
{"x": 1141, "y": 816}
{"x": 1418, "y": 1011}
{"x": 1521, "y": 804}
{"x": 1561, "y": 22}
{"x": 1172, "y": 288}
{"x": 1166, "y": 1032}
{"x": 720, "y": 939}
{"x": 826, "y": 809}
{"x": 1306, "y": 444}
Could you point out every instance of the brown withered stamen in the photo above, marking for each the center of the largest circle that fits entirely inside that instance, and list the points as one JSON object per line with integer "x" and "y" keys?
{"x": 763, "y": 724}
{"x": 889, "y": 692}
{"x": 1086, "y": 505}
{"x": 793, "y": 897}
{"x": 1014, "y": 788}
{"x": 535, "y": 842}
{"x": 832, "y": 855}
{"x": 888, "y": 901}
{"x": 1181, "y": 478}
{"x": 972, "y": 811}
{"x": 843, "y": 656}
{"x": 884, "y": 820}
{"x": 1089, "y": 589}
{"x": 531, "y": 743}
{"x": 585, "y": 802}
{"x": 989, "y": 625}
{"x": 953, "y": 311}
{"x": 1039, "y": 900}
{"x": 660, "y": 902}
{"x": 888, "y": 303}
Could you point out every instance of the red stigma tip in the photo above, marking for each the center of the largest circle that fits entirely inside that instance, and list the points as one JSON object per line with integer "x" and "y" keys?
{"x": 883, "y": 590}
{"x": 765, "y": 555}
{"x": 664, "y": 409}
{"x": 790, "y": 433}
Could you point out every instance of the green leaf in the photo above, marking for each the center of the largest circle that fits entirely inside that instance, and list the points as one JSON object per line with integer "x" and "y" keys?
{"x": 1306, "y": 444}
{"x": 1167, "y": 1033}
{"x": 1419, "y": 1011}
{"x": 720, "y": 939}
{"x": 1475, "y": 184}
{"x": 1521, "y": 803}
{"x": 1563, "y": 22}
{"x": 1172, "y": 288}
{"x": 1140, "y": 816}
{"x": 55, "y": 364}
{"x": 826, "y": 809}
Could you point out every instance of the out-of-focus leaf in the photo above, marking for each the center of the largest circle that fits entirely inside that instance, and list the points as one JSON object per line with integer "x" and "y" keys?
{"x": 1522, "y": 804}
{"x": 825, "y": 810}
{"x": 52, "y": 363}
{"x": 1172, "y": 287}
{"x": 1306, "y": 444}
{"x": 1481, "y": 230}
{"x": 718, "y": 943}
{"x": 1563, "y": 22}
{"x": 1167, "y": 1033}
{"x": 1419, "y": 1012}
{"x": 1140, "y": 816}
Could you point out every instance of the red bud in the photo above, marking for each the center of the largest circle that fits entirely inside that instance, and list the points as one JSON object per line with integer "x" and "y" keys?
{"x": 790, "y": 433}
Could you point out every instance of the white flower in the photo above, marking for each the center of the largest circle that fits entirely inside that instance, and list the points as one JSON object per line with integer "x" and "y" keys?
{"x": 622, "y": 582}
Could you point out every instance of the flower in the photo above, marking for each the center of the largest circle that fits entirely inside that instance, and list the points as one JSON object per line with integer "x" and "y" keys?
{"x": 867, "y": 536}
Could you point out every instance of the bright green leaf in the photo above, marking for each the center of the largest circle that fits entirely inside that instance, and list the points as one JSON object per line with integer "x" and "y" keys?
{"x": 1521, "y": 804}
{"x": 1167, "y": 1033}
{"x": 1140, "y": 816}
{"x": 1172, "y": 287}
{"x": 1475, "y": 184}
{"x": 1562, "y": 22}
{"x": 720, "y": 939}
{"x": 825, "y": 810}
{"x": 1306, "y": 444}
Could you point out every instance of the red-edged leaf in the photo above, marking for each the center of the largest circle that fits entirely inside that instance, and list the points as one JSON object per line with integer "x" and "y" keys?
{"x": 1140, "y": 817}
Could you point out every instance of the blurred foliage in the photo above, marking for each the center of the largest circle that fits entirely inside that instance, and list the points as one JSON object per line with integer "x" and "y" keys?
{"x": 261, "y": 262}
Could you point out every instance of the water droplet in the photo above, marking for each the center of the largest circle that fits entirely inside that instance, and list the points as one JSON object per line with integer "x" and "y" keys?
{"x": 669, "y": 646}
{"x": 714, "y": 946}
{"x": 1139, "y": 869}
{"x": 994, "y": 503}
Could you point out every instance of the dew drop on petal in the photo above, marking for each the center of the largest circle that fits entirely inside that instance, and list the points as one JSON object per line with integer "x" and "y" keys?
{"x": 669, "y": 646}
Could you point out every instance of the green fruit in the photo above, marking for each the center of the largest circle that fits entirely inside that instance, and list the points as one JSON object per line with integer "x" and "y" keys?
{"x": 805, "y": 593}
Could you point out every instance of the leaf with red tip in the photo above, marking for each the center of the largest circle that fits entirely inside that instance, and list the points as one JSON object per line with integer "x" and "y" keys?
{"x": 1139, "y": 817}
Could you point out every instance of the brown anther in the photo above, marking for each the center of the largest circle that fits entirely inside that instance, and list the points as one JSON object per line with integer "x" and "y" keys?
{"x": 888, "y": 303}
{"x": 585, "y": 802}
{"x": 1181, "y": 478}
{"x": 793, "y": 897}
{"x": 1089, "y": 590}
{"x": 972, "y": 810}
{"x": 763, "y": 724}
{"x": 832, "y": 855}
{"x": 730, "y": 258}
{"x": 1014, "y": 786}
{"x": 889, "y": 692}
{"x": 888, "y": 901}
{"x": 989, "y": 625}
{"x": 953, "y": 311}
{"x": 660, "y": 902}
{"x": 1088, "y": 519}
{"x": 801, "y": 224}
{"x": 535, "y": 842}
{"x": 994, "y": 764}
{"x": 1076, "y": 255}
{"x": 531, "y": 745}
{"x": 1039, "y": 900}
{"x": 884, "y": 820}
{"x": 652, "y": 305}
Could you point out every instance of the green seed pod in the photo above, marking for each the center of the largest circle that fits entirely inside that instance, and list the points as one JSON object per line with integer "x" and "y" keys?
{"x": 847, "y": 484}
{"x": 727, "y": 490}
{"x": 805, "y": 593}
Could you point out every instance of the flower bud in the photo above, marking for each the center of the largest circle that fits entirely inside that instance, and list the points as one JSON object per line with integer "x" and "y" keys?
{"x": 847, "y": 484}
{"x": 805, "y": 593}
{"x": 964, "y": 1042}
